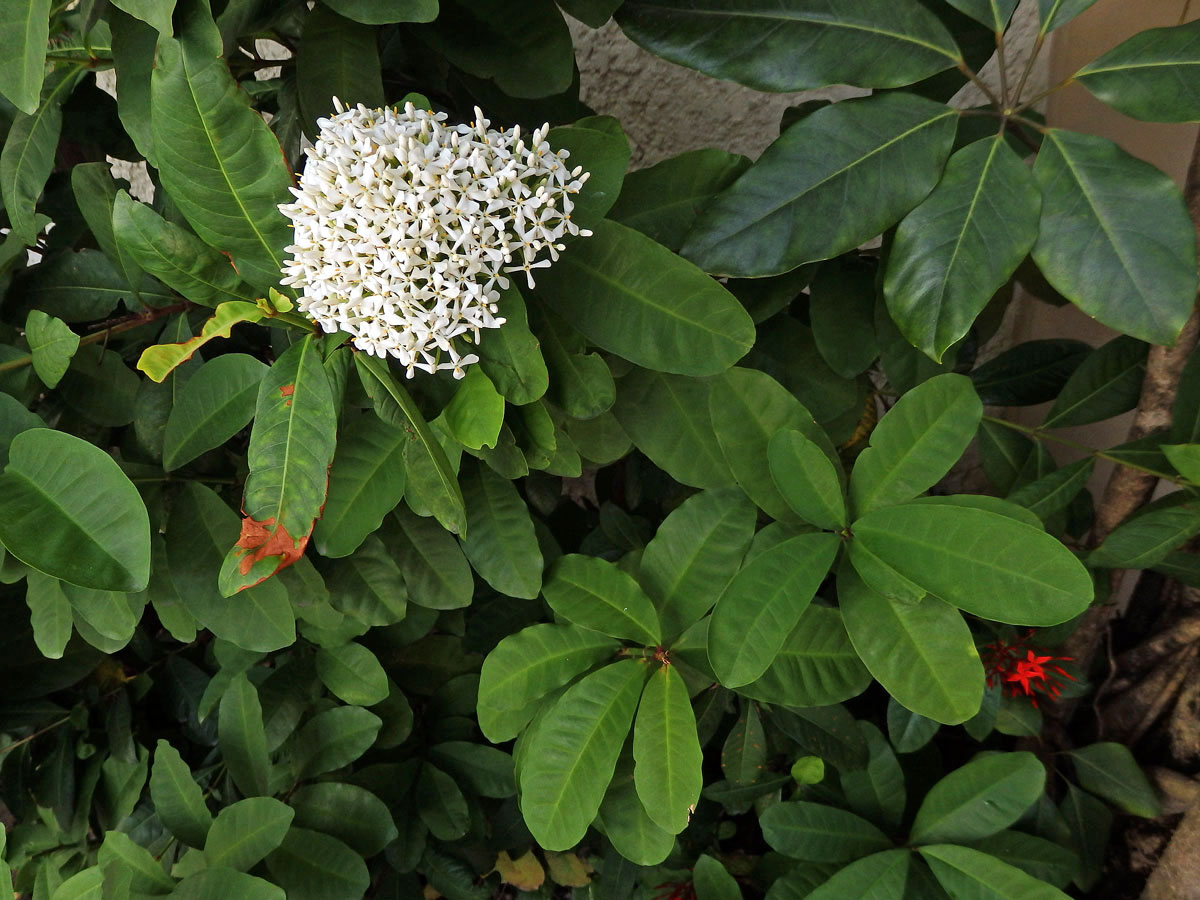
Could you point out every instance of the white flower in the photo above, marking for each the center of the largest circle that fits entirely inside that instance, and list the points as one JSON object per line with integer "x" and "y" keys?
{"x": 404, "y": 228}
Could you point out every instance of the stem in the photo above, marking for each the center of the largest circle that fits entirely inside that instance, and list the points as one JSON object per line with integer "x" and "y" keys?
{"x": 1041, "y": 95}
{"x": 1033, "y": 55}
{"x": 1003, "y": 70}
{"x": 37, "y": 734}
{"x": 1038, "y": 434}
{"x": 980, "y": 83}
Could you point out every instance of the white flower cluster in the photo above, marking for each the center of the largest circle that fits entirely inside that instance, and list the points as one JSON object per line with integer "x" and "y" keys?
{"x": 404, "y": 228}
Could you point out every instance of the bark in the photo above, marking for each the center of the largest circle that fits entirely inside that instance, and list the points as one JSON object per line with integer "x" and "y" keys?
{"x": 1177, "y": 875}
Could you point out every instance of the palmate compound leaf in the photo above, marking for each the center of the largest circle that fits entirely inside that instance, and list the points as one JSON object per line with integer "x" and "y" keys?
{"x": 795, "y": 45}
{"x": 67, "y": 509}
{"x": 572, "y": 753}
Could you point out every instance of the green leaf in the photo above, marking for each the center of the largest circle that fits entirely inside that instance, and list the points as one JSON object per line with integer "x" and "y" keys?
{"x": 964, "y": 872}
{"x": 1115, "y": 237}
{"x": 807, "y": 479}
{"x": 993, "y": 13}
{"x": 663, "y": 200}
{"x": 49, "y": 614}
{"x": 816, "y": 833}
{"x": 748, "y": 407}
{"x": 487, "y": 771}
{"x": 146, "y": 873}
{"x": 160, "y": 360}
{"x": 595, "y": 594}
{"x": 877, "y": 791}
{"x": 580, "y": 382}
{"x": 215, "y": 404}
{"x": 500, "y": 541}
{"x": 291, "y": 448}
{"x": 744, "y": 753}
{"x": 571, "y": 756}
{"x": 697, "y": 550}
{"x": 242, "y": 737}
{"x": 218, "y": 160}
{"x": 598, "y": 144}
{"x": 436, "y": 571}
{"x": 14, "y": 418}
{"x": 1039, "y": 857}
{"x": 475, "y": 413}
{"x": 174, "y": 255}
{"x": 985, "y": 796}
{"x": 633, "y": 297}
{"x": 384, "y": 12}
{"x": 347, "y": 812}
{"x": 527, "y": 665}
{"x": 220, "y": 884}
{"x": 87, "y": 884}
{"x": 666, "y": 751}
{"x": 1054, "y": 492}
{"x": 52, "y": 345}
{"x": 1151, "y": 75}
{"x": 858, "y": 166}
{"x": 511, "y": 356}
{"x": 1185, "y": 458}
{"x": 245, "y": 832}
{"x": 1147, "y": 538}
{"x": 795, "y": 46}
{"x": 441, "y": 804}
{"x": 368, "y": 585}
{"x": 623, "y": 819}
{"x": 100, "y": 387}
{"x": 713, "y": 881}
{"x": 1110, "y": 771}
{"x": 881, "y": 876}
{"x": 336, "y": 57}
{"x": 996, "y": 567}
{"x": 961, "y": 245}
{"x": 314, "y": 866}
{"x": 916, "y": 443}
{"x": 816, "y": 666}
{"x": 667, "y": 417}
{"x": 1054, "y": 13}
{"x": 24, "y": 32}
{"x": 177, "y": 797}
{"x": 96, "y": 194}
{"x": 907, "y": 730}
{"x": 1107, "y": 383}
{"x": 352, "y": 673}
{"x": 921, "y": 652}
{"x": 68, "y": 510}
{"x": 396, "y": 407}
{"x": 842, "y": 309}
{"x": 1029, "y": 373}
{"x": 335, "y": 738}
{"x": 27, "y": 158}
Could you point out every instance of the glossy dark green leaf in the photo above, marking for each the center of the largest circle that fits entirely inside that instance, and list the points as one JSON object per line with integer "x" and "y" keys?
{"x": 511, "y": 356}
{"x": 78, "y": 287}
{"x": 52, "y": 344}
{"x": 877, "y": 792}
{"x": 662, "y": 201}
{"x": 1151, "y": 75}
{"x": 476, "y": 411}
{"x": 441, "y": 804}
{"x": 816, "y": 833}
{"x": 27, "y": 158}
{"x": 807, "y": 479}
{"x": 145, "y": 873}
{"x": 368, "y": 585}
{"x": 500, "y": 541}
{"x": 1054, "y": 492}
{"x": 215, "y": 404}
{"x": 594, "y": 13}
{"x": 242, "y": 738}
{"x": 488, "y": 771}
{"x": 100, "y": 387}
{"x": 960, "y": 246}
{"x": 796, "y": 45}
{"x": 24, "y": 31}
{"x": 1029, "y": 373}
{"x": 383, "y": 12}
{"x": 347, "y": 812}
{"x": 96, "y": 194}
{"x": 246, "y": 831}
{"x": 763, "y": 603}
{"x": 218, "y": 160}
{"x": 600, "y": 147}
{"x": 921, "y": 652}
{"x": 993, "y": 13}
{"x": 858, "y": 165}
{"x": 916, "y": 443}
{"x": 572, "y": 754}
{"x": 623, "y": 819}
{"x": 595, "y": 594}
{"x": 881, "y": 876}
{"x": 1107, "y": 383}
{"x": 985, "y": 796}
{"x": 68, "y": 510}
{"x": 633, "y": 297}
{"x": 1054, "y": 13}
{"x": 908, "y": 731}
{"x": 177, "y": 797}
{"x": 841, "y": 307}
{"x": 580, "y": 382}
{"x": 996, "y": 567}
{"x": 314, "y": 866}
{"x": 435, "y": 570}
{"x": 965, "y": 872}
{"x": 335, "y": 738}
{"x": 352, "y": 673}
{"x": 1115, "y": 237}
{"x": 666, "y": 751}
{"x": 1109, "y": 770}
{"x": 1036, "y": 856}
{"x": 744, "y": 753}
{"x": 336, "y": 57}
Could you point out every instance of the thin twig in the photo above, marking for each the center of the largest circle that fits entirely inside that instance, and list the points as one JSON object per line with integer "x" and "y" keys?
{"x": 1003, "y": 70}
{"x": 980, "y": 83}
{"x": 1033, "y": 55}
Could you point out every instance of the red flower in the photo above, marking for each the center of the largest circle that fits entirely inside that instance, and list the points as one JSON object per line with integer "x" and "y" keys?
{"x": 1024, "y": 670}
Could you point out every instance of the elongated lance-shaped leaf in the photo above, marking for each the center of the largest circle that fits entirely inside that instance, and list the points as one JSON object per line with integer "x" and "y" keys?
{"x": 993, "y": 13}
{"x": 666, "y": 751}
{"x": 175, "y": 256}
{"x": 500, "y": 542}
{"x": 807, "y": 479}
{"x": 291, "y": 448}
{"x": 624, "y": 821}
{"x": 214, "y": 405}
{"x": 177, "y": 797}
{"x": 24, "y": 31}
{"x": 1115, "y": 237}
{"x": 967, "y": 872}
{"x": 395, "y": 406}
{"x": 572, "y": 753}
{"x": 595, "y": 594}
{"x": 795, "y": 45}
{"x": 985, "y": 796}
{"x": 1107, "y": 383}
{"x": 960, "y": 246}
{"x": 218, "y": 160}
{"x": 880, "y": 876}
{"x": 242, "y": 737}
{"x": 531, "y": 663}
{"x": 1148, "y": 537}
{"x": 1151, "y": 76}
{"x": 96, "y": 192}
{"x": 818, "y": 833}
{"x": 857, "y": 166}
{"x": 1054, "y": 13}
{"x": 159, "y": 361}
{"x": 336, "y": 57}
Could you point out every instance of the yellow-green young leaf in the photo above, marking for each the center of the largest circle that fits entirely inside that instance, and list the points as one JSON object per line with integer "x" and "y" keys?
{"x": 623, "y": 819}
{"x": 965, "y": 872}
{"x": 1186, "y": 460}
{"x": 436, "y": 572}
{"x": 309, "y": 865}
{"x": 922, "y": 652}
{"x": 807, "y": 479}
{"x": 158, "y": 361}
{"x": 886, "y": 157}
{"x": 985, "y": 796}
{"x": 52, "y": 344}
{"x": 49, "y": 613}
{"x": 24, "y": 31}
{"x": 242, "y": 737}
{"x": 803, "y": 44}
{"x": 87, "y": 884}
{"x": 177, "y": 797}
{"x": 217, "y": 884}
{"x": 396, "y": 407}
{"x": 475, "y": 412}
{"x": 1115, "y": 237}
{"x": 881, "y": 876}
{"x": 817, "y": 833}
{"x": 352, "y": 674}
{"x": 524, "y": 873}
{"x": 666, "y": 751}
{"x": 347, "y": 812}
{"x": 500, "y": 541}
{"x": 1110, "y": 771}
{"x": 1150, "y": 76}
{"x": 595, "y": 594}
{"x": 175, "y": 256}
{"x": 762, "y": 604}
{"x": 67, "y": 509}
{"x": 218, "y": 160}
{"x": 713, "y": 881}
{"x": 245, "y": 832}
{"x": 215, "y": 404}
{"x": 996, "y": 567}
{"x": 384, "y": 12}
{"x": 571, "y": 755}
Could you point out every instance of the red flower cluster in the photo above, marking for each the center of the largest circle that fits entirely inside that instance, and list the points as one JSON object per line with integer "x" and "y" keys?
{"x": 1024, "y": 669}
